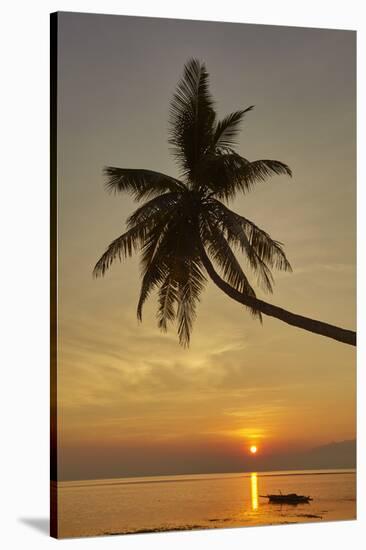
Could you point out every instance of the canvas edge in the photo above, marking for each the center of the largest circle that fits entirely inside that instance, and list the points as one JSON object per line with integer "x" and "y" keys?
{"x": 54, "y": 532}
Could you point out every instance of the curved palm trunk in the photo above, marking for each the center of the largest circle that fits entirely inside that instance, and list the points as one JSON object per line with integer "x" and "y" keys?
{"x": 312, "y": 325}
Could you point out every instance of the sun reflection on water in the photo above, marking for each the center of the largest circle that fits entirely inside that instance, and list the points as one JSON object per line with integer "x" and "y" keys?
{"x": 254, "y": 490}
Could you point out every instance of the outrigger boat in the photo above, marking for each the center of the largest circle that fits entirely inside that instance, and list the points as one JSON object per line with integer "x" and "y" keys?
{"x": 291, "y": 498}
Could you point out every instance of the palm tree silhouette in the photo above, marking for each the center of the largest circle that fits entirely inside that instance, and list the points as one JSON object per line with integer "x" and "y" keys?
{"x": 185, "y": 225}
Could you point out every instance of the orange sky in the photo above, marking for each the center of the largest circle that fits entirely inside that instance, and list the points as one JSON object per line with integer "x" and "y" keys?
{"x": 131, "y": 400}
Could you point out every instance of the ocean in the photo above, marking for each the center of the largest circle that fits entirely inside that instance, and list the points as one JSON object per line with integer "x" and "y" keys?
{"x": 183, "y": 502}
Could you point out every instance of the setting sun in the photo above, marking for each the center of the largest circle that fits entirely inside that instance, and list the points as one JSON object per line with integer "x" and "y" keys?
{"x": 253, "y": 449}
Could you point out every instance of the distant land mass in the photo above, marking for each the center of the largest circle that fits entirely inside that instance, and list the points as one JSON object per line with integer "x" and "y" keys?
{"x": 335, "y": 455}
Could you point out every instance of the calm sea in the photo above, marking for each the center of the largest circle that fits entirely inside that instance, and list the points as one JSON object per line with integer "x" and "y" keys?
{"x": 130, "y": 505}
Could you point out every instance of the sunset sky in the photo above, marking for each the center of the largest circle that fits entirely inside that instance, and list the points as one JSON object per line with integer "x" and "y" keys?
{"x": 131, "y": 400}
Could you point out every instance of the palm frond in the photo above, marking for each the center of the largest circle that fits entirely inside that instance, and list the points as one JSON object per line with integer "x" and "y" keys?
{"x": 178, "y": 277}
{"x": 122, "y": 247}
{"x": 147, "y": 220}
{"x": 192, "y": 118}
{"x": 190, "y": 286}
{"x": 170, "y": 263}
{"x": 262, "y": 252}
{"x": 230, "y": 173}
{"x": 267, "y": 249}
{"x": 140, "y": 183}
{"x": 221, "y": 253}
{"x": 168, "y": 297}
{"x": 154, "y": 275}
{"x": 153, "y": 262}
{"x": 228, "y": 128}
{"x": 154, "y": 210}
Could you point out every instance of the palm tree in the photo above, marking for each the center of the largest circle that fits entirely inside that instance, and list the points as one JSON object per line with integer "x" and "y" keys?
{"x": 185, "y": 227}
